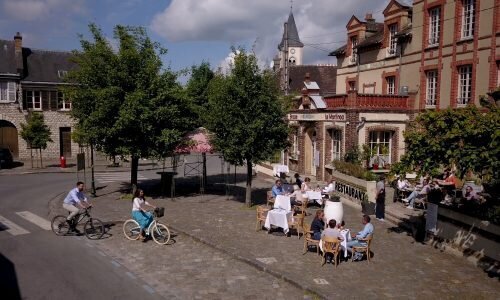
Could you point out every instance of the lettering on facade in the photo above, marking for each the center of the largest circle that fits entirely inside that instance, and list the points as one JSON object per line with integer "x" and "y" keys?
{"x": 335, "y": 117}
{"x": 351, "y": 191}
{"x": 317, "y": 117}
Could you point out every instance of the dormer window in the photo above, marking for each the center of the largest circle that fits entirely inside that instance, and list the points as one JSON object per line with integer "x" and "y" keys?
{"x": 393, "y": 29}
{"x": 62, "y": 73}
{"x": 7, "y": 91}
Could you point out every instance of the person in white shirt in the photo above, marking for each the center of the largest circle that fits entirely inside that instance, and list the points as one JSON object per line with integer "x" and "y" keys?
{"x": 139, "y": 212}
{"x": 74, "y": 201}
{"x": 330, "y": 187}
{"x": 306, "y": 185}
{"x": 403, "y": 184}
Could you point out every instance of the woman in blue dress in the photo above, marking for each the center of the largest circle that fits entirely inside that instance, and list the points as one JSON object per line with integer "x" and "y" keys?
{"x": 139, "y": 212}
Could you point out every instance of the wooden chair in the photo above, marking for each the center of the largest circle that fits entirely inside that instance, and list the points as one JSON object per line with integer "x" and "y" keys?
{"x": 301, "y": 209}
{"x": 363, "y": 249}
{"x": 421, "y": 200}
{"x": 261, "y": 216}
{"x": 297, "y": 224}
{"x": 308, "y": 239}
{"x": 332, "y": 246}
{"x": 270, "y": 198}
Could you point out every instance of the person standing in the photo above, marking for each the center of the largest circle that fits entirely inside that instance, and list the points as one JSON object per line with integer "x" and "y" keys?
{"x": 380, "y": 199}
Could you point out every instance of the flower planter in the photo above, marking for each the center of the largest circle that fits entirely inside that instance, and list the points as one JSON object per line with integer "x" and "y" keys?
{"x": 375, "y": 166}
{"x": 334, "y": 210}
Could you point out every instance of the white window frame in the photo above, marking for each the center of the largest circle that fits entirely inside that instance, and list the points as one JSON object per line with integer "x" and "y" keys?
{"x": 62, "y": 104}
{"x": 34, "y": 97}
{"x": 8, "y": 91}
{"x": 377, "y": 139}
{"x": 393, "y": 29}
{"x": 464, "y": 85}
{"x": 468, "y": 18}
{"x": 391, "y": 85}
{"x": 354, "y": 57}
{"x": 434, "y": 26}
{"x": 431, "y": 88}
{"x": 336, "y": 150}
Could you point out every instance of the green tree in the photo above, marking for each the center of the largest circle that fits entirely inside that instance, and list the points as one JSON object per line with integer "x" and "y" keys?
{"x": 36, "y": 134}
{"x": 246, "y": 115}
{"x": 124, "y": 101}
{"x": 197, "y": 88}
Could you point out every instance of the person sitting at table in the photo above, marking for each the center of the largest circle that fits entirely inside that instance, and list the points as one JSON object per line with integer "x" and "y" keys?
{"x": 277, "y": 188}
{"x": 470, "y": 194}
{"x": 357, "y": 239}
{"x": 341, "y": 225}
{"x": 417, "y": 193}
{"x": 330, "y": 187}
{"x": 403, "y": 183}
{"x": 332, "y": 231}
{"x": 318, "y": 224}
{"x": 450, "y": 180}
{"x": 296, "y": 197}
{"x": 306, "y": 185}
{"x": 298, "y": 180}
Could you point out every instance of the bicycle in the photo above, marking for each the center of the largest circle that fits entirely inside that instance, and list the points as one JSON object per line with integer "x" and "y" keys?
{"x": 93, "y": 228}
{"x": 158, "y": 231}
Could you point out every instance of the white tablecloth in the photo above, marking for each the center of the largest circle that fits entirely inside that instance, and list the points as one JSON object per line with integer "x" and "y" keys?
{"x": 283, "y": 202}
{"x": 315, "y": 196}
{"x": 346, "y": 237}
{"x": 279, "y": 218}
{"x": 277, "y": 169}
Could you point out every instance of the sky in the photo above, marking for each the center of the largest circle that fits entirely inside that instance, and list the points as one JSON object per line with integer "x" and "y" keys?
{"x": 193, "y": 31}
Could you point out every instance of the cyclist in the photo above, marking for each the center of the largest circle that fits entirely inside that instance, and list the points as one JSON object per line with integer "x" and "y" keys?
{"x": 139, "y": 212}
{"x": 74, "y": 201}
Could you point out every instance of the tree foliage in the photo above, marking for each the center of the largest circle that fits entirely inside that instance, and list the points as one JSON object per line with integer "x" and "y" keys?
{"x": 197, "y": 88}
{"x": 246, "y": 115}
{"x": 35, "y": 132}
{"x": 466, "y": 138}
{"x": 123, "y": 101}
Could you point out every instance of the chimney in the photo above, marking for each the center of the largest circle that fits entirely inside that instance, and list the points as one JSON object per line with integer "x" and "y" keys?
{"x": 369, "y": 18}
{"x": 308, "y": 78}
{"x": 18, "y": 50}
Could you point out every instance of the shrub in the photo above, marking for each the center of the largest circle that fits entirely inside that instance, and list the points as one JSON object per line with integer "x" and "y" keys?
{"x": 353, "y": 169}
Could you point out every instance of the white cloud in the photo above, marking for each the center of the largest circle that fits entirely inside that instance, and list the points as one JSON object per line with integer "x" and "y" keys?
{"x": 319, "y": 22}
{"x": 34, "y": 10}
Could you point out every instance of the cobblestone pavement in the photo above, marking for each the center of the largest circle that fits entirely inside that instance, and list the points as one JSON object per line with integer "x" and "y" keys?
{"x": 400, "y": 267}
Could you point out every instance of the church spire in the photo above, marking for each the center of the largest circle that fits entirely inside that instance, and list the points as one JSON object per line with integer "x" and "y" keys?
{"x": 293, "y": 34}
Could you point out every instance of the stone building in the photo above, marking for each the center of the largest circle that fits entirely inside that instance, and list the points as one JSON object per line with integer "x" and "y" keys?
{"x": 29, "y": 82}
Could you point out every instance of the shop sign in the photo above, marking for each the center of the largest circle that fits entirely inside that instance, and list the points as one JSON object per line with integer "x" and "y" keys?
{"x": 317, "y": 117}
{"x": 351, "y": 191}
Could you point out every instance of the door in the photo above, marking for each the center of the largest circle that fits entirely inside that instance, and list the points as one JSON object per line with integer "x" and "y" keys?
{"x": 9, "y": 137}
{"x": 65, "y": 141}
{"x": 310, "y": 152}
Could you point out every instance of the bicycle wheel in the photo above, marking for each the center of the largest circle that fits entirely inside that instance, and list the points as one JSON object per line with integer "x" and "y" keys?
{"x": 161, "y": 234}
{"x": 131, "y": 230}
{"x": 93, "y": 229}
{"x": 59, "y": 225}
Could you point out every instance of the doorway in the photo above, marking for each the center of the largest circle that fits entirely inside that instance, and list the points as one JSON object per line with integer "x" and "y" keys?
{"x": 65, "y": 141}
{"x": 9, "y": 137}
{"x": 310, "y": 152}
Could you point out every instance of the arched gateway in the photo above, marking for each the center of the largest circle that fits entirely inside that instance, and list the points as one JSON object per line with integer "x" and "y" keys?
{"x": 9, "y": 137}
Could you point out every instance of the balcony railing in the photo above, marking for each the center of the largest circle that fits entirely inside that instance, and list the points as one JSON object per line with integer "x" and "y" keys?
{"x": 368, "y": 101}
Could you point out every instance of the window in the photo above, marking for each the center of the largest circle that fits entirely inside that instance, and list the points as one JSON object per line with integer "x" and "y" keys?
{"x": 336, "y": 136}
{"x": 391, "y": 85}
{"x": 7, "y": 91}
{"x": 468, "y": 19}
{"x": 393, "y": 28}
{"x": 33, "y": 100}
{"x": 63, "y": 102}
{"x": 352, "y": 85}
{"x": 354, "y": 43}
{"x": 61, "y": 73}
{"x": 380, "y": 146}
{"x": 431, "y": 88}
{"x": 464, "y": 84}
{"x": 434, "y": 26}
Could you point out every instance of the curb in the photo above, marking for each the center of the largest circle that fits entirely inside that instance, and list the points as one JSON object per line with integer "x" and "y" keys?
{"x": 69, "y": 172}
{"x": 252, "y": 263}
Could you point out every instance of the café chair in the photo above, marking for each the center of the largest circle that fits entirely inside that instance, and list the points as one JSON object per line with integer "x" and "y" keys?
{"x": 308, "y": 239}
{"x": 301, "y": 209}
{"x": 297, "y": 224}
{"x": 363, "y": 249}
{"x": 331, "y": 246}
{"x": 270, "y": 198}
{"x": 261, "y": 217}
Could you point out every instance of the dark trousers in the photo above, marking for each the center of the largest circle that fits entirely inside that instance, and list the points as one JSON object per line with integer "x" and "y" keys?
{"x": 380, "y": 207}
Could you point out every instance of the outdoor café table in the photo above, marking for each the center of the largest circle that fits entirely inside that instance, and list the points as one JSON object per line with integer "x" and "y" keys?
{"x": 283, "y": 202}
{"x": 278, "y": 217}
{"x": 278, "y": 169}
{"x": 315, "y": 196}
{"x": 346, "y": 237}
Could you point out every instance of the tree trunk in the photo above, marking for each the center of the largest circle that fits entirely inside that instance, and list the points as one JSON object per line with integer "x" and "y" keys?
{"x": 93, "y": 190}
{"x": 248, "y": 196}
{"x": 41, "y": 160}
{"x": 134, "y": 167}
{"x": 31, "y": 154}
{"x": 204, "y": 155}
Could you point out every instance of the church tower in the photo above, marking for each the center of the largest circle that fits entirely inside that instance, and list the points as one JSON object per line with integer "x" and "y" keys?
{"x": 295, "y": 46}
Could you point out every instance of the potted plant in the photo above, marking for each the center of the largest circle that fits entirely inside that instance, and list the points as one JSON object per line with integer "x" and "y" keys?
{"x": 367, "y": 154}
{"x": 367, "y": 207}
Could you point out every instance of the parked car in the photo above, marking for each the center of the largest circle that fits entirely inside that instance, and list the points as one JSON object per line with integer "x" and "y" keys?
{"x": 6, "y": 158}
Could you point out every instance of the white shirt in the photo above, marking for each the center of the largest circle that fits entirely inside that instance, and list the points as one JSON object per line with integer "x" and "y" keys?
{"x": 402, "y": 184}
{"x": 136, "y": 205}
{"x": 330, "y": 188}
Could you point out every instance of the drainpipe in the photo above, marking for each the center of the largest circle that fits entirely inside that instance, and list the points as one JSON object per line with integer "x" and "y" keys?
{"x": 361, "y": 124}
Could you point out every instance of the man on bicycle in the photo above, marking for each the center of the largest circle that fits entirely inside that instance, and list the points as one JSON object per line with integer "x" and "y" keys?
{"x": 74, "y": 201}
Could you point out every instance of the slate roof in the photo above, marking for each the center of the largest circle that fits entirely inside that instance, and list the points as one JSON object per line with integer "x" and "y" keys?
{"x": 324, "y": 76}
{"x": 7, "y": 57}
{"x": 43, "y": 65}
{"x": 293, "y": 34}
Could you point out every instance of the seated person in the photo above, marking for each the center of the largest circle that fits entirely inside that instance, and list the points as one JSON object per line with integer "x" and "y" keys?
{"x": 329, "y": 188}
{"x": 318, "y": 224}
{"x": 277, "y": 188}
{"x": 332, "y": 231}
{"x": 306, "y": 185}
{"x": 424, "y": 191}
{"x": 298, "y": 180}
{"x": 470, "y": 195}
{"x": 341, "y": 225}
{"x": 363, "y": 234}
{"x": 403, "y": 184}
{"x": 296, "y": 197}
{"x": 450, "y": 180}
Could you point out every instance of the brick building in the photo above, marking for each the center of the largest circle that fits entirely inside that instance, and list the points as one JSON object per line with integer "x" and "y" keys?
{"x": 432, "y": 55}
{"x": 29, "y": 82}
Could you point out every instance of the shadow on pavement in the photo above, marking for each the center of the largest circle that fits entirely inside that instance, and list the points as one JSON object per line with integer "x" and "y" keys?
{"x": 8, "y": 279}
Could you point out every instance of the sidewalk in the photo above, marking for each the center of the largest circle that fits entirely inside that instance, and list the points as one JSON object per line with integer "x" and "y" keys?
{"x": 400, "y": 267}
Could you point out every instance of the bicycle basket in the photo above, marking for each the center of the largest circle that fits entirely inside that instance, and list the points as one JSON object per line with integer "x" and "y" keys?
{"x": 159, "y": 212}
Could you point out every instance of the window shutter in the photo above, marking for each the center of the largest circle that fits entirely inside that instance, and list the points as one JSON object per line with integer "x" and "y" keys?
{"x": 53, "y": 100}
{"x": 11, "y": 91}
{"x": 45, "y": 100}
